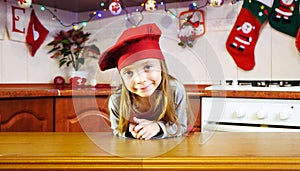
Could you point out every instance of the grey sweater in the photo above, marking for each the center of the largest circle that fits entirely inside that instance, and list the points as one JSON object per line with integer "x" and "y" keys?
{"x": 167, "y": 129}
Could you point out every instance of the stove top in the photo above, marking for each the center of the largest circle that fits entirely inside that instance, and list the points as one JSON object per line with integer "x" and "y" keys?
{"x": 264, "y": 83}
{"x": 253, "y": 85}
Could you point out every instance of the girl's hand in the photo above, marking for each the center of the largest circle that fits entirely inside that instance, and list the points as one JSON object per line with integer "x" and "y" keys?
{"x": 145, "y": 129}
{"x": 131, "y": 129}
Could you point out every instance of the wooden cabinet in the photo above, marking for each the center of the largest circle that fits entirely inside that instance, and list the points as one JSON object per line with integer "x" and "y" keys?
{"x": 76, "y": 114}
{"x": 195, "y": 104}
{"x": 48, "y": 110}
{"x": 26, "y": 114}
{"x": 90, "y": 114}
{"x": 64, "y": 114}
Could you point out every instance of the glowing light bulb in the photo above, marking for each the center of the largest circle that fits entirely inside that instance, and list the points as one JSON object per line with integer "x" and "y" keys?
{"x": 99, "y": 15}
{"x": 42, "y": 8}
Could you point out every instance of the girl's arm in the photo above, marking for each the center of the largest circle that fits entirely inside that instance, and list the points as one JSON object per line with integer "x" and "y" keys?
{"x": 113, "y": 105}
{"x": 181, "y": 111}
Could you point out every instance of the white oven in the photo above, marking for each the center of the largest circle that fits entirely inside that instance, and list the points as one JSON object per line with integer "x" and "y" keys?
{"x": 250, "y": 115}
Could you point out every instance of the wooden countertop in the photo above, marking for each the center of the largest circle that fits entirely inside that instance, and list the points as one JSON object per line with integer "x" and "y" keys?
{"x": 215, "y": 151}
{"x": 48, "y": 90}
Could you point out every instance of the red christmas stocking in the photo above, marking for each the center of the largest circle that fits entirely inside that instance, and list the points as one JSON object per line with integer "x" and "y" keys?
{"x": 297, "y": 42}
{"x": 244, "y": 34}
{"x": 36, "y": 33}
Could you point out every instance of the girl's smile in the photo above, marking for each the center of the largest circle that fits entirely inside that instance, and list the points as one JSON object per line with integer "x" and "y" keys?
{"x": 146, "y": 90}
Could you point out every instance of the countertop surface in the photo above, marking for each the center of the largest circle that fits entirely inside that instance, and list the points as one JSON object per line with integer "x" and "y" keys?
{"x": 57, "y": 150}
{"x": 233, "y": 144}
{"x": 48, "y": 90}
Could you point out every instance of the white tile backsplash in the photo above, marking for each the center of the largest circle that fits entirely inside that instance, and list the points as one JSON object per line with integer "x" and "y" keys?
{"x": 14, "y": 62}
{"x": 285, "y": 57}
{"x": 208, "y": 61}
{"x": 186, "y": 64}
{"x": 218, "y": 55}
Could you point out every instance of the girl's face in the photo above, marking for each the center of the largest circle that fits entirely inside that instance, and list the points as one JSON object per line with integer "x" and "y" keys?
{"x": 142, "y": 77}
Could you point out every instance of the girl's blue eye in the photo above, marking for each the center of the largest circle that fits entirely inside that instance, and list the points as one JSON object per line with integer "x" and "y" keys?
{"x": 148, "y": 67}
{"x": 128, "y": 73}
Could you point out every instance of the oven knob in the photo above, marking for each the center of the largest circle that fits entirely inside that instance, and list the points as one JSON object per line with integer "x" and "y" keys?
{"x": 261, "y": 114}
{"x": 239, "y": 113}
{"x": 283, "y": 115}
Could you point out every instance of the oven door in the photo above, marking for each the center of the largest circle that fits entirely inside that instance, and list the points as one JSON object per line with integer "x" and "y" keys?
{"x": 233, "y": 127}
{"x": 249, "y": 115}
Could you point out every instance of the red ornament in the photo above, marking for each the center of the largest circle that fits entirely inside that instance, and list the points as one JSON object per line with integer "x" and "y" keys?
{"x": 77, "y": 81}
{"x": 115, "y": 7}
{"x": 24, "y": 3}
{"x": 59, "y": 82}
{"x": 297, "y": 41}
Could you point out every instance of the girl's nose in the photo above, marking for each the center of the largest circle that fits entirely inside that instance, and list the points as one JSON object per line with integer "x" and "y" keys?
{"x": 141, "y": 77}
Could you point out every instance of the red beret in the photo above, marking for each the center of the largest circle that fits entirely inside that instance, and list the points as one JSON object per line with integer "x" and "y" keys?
{"x": 134, "y": 44}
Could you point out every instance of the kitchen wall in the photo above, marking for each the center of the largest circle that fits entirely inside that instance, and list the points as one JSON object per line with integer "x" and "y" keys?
{"x": 208, "y": 61}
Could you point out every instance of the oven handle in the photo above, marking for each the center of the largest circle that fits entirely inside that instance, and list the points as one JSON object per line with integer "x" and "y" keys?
{"x": 238, "y": 128}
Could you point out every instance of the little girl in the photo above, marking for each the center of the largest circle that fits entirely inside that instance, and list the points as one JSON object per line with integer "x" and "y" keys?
{"x": 150, "y": 103}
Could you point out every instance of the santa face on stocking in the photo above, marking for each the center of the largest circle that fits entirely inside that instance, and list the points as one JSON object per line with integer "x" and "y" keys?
{"x": 284, "y": 10}
{"x": 243, "y": 37}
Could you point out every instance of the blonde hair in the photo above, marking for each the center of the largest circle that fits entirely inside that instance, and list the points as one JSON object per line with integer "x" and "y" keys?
{"x": 165, "y": 98}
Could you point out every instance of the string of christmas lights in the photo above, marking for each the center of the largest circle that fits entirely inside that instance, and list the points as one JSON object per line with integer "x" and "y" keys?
{"x": 74, "y": 24}
{"x": 116, "y": 6}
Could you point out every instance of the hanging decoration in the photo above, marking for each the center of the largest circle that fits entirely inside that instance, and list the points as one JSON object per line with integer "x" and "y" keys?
{"x": 150, "y": 5}
{"x": 163, "y": 3}
{"x": 191, "y": 25}
{"x": 74, "y": 24}
{"x": 36, "y": 34}
{"x": 245, "y": 33}
{"x": 115, "y": 7}
{"x": 134, "y": 18}
{"x": 216, "y": 3}
{"x": 24, "y": 3}
{"x": 285, "y": 17}
{"x": 297, "y": 40}
{"x": 232, "y": 2}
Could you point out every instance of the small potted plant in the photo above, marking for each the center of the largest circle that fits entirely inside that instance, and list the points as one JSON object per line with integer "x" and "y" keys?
{"x": 71, "y": 50}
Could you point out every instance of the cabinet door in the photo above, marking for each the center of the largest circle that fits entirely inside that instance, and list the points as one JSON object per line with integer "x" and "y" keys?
{"x": 195, "y": 104}
{"x": 77, "y": 114}
{"x": 22, "y": 115}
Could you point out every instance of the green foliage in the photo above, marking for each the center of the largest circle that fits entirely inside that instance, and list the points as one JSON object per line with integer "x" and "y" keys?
{"x": 69, "y": 47}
